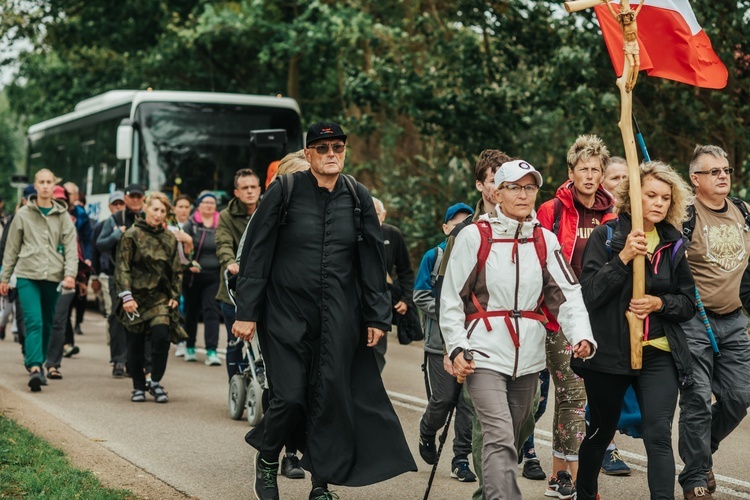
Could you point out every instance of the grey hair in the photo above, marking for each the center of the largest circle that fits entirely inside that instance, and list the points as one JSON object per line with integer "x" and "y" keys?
{"x": 379, "y": 207}
{"x": 617, "y": 159}
{"x": 701, "y": 150}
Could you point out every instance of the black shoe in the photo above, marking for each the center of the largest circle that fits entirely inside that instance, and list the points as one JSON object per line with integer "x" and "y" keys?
{"x": 35, "y": 381}
{"x": 70, "y": 350}
{"x": 290, "y": 467}
{"x": 321, "y": 493}
{"x": 77, "y": 329}
{"x": 119, "y": 370}
{"x": 533, "y": 470}
{"x": 427, "y": 449}
{"x": 460, "y": 470}
{"x": 266, "y": 487}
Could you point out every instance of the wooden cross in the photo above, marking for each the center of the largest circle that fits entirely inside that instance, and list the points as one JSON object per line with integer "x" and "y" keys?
{"x": 626, "y": 83}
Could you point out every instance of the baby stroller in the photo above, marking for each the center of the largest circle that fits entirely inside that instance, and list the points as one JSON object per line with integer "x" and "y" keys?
{"x": 246, "y": 388}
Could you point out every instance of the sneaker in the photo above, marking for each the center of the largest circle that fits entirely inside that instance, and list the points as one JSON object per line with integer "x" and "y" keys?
{"x": 43, "y": 377}
{"x": 158, "y": 393}
{"x": 119, "y": 370}
{"x": 710, "y": 481}
{"x": 460, "y": 470}
{"x": 266, "y": 487}
{"x": 427, "y": 449}
{"x": 70, "y": 350}
{"x": 190, "y": 354}
{"x": 180, "y": 350}
{"x": 212, "y": 359}
{"x": 138, "y": 396}
{"x": 35, "y": 381}
{"x": 700, "y": 492}
{"x": 532, "y": 469}
{"x": 560, "y": 486}
{"x": 321, "y": 493}
{"x": 290, "y": 467}
{"x": 613, "y": 465}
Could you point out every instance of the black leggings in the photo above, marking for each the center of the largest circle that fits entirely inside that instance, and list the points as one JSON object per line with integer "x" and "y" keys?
{"x": 656, "y": 389}
{"x": 137, "y": 355}
{"x": 200, "y": 292}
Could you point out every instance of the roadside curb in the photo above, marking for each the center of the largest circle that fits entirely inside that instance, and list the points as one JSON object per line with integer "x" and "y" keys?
{"x": 110, "y": 468}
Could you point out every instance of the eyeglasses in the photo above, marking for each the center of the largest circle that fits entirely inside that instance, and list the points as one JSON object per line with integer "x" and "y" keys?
{"x": 515, "y": 189}
{"x": 322, "y": 149}
{"x": 716, "y": 171}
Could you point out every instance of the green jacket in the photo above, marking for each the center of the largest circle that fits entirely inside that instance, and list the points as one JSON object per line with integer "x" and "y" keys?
{"x": 148, "y": 266}
{"x": 41, "y": 248}
{"x": 232, "y": 223}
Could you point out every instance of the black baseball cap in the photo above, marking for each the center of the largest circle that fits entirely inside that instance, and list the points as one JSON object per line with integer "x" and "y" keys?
{"x": 134, "y": 189}
{"x": 324, "y": 130}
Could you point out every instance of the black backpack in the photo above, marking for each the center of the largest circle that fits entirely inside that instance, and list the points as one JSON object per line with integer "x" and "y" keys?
{"x": 689, "y": 225}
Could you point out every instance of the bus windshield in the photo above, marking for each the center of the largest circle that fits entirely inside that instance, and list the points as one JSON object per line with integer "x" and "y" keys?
{"x": 187, "y": 147}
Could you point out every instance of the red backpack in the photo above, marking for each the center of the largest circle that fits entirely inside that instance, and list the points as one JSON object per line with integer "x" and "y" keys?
{"x": 486, "y": 241}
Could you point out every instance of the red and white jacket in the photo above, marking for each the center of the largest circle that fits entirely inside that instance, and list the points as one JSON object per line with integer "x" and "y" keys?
{"x": 512, "y": 279}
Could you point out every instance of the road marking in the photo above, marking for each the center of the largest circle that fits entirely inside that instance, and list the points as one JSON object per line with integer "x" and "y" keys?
{"x": 419, "y": 405}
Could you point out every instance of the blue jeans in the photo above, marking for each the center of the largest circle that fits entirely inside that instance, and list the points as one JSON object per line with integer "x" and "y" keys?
{"x": 234, "y": 346}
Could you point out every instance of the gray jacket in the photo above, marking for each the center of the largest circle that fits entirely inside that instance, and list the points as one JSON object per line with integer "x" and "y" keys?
{"x": 41, "y": 248}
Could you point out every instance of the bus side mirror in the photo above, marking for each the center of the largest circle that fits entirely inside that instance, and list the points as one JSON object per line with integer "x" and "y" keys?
{"x": 125, "y": 140}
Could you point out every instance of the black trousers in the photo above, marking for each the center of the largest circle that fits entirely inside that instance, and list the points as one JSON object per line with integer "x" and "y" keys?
{"x": 656, "y": 389}
{"x": 159, "y": 338}
{"x": 200, "y": 291}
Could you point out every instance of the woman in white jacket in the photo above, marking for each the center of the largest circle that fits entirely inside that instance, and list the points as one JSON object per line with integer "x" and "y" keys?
{"x": 490, "y": 307}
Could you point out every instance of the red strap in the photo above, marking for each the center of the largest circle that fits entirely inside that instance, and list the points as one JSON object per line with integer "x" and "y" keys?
{"x": 485, "y": 315}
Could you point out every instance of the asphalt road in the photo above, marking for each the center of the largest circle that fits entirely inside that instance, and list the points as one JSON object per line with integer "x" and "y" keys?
{"x": 192, "y": 444}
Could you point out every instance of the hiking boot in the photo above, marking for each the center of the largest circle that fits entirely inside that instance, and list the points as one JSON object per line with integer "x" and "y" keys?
{"x": 158, "y": 393}
{"x": 710, "y": 481}
{"x": 321, "y": 493}
{"x": 138, "y": 396}
{"x": 180, "y": 350}
{"x": 119, "y": 370}
{"x": 560, "y": 486}
{"x": 290, "y": 467}
{"x": 70, "y": 350}
{"x": 212, "y": 359}
{"x": 427, "y": 449}
{"x": 613, "y": 465}
{"x": 532, "y": 469}
{"x": 265, "y": 479}
{"x": 35, "y": 381}
{"x": 699, "y": 492}
{"x": 190, "y": 354}
{"x": 460, "y": 470}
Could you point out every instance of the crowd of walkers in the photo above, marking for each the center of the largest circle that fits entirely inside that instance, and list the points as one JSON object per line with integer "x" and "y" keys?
{"x": 522, "y": 295}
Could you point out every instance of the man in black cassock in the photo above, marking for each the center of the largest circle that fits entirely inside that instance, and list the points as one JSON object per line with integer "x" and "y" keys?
{"x": 319, "y": 300}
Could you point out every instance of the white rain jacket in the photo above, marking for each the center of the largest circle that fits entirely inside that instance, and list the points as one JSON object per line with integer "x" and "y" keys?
{"x": 509, "y": 282}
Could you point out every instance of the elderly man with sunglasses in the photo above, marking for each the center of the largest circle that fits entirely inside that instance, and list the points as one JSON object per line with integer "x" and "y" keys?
{"x": 718, "y": 255}
{"x": 312, "y": 278}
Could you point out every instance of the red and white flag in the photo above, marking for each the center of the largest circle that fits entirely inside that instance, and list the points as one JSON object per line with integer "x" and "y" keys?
{"x": 673, "y": 45}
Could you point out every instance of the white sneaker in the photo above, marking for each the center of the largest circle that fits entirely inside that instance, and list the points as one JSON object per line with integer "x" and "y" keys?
{"x": 181, "y": 349}
{"x": 190, "y": 354}
{"x": 212, "y": 359}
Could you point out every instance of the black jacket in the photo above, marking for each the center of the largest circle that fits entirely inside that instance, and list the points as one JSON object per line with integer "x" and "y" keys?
{"x": 607, "y": 286}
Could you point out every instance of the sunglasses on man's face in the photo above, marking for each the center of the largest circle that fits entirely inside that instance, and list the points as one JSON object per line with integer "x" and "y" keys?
{"x": 322, "y": 149}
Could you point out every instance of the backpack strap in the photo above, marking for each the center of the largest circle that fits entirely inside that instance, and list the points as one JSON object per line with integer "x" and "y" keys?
{"x": 287, "y": 186}
{"x": 436, "y": 266}
{"x": 689, "y": 225}
{"x": 557, "y": 215}
{"x": 540, "y": 245}
{"x": 351, "y": 184}
{"x": 485, "y": 243}
{"x": 608, "y": 243}
{"x": 743, "y": 208}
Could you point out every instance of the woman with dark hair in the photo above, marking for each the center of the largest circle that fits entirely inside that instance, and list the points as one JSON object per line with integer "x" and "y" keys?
{"x": 148, "y": 280}
{"x": 607, "y": 282}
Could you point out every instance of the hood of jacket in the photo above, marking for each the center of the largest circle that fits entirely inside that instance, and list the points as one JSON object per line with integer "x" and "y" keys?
{"x": 603, "y": 201}
{"x": 58, "y": 206}
{"x": 237, "y": 209}
{"x": 196, "y": 217}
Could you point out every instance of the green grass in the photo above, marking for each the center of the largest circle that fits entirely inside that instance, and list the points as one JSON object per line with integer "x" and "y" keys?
{"x": 31, "y": 468}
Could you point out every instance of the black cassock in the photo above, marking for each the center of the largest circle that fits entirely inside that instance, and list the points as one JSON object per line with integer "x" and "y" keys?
{"x": 313, "y": 290}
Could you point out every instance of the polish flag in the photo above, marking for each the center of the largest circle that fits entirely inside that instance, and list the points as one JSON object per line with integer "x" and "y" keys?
{"x": 673, "y": 45}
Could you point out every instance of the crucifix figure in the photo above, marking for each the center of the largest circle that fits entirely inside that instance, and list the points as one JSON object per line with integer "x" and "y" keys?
{"x": 626, "y": 19}
{"x": 626, "y": 82}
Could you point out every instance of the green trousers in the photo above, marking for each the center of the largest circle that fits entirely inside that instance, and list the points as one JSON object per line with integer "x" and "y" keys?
{"x": 38, "y": 300}
{"x": 477, "y": 442}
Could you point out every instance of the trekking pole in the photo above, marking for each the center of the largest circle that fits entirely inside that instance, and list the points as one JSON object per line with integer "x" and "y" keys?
{"x": 444, "y": 435}
{"x": 709, "y": 330}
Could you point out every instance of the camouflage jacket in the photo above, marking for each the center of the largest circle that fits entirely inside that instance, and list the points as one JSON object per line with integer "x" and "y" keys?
{"x": 148, "y": 266}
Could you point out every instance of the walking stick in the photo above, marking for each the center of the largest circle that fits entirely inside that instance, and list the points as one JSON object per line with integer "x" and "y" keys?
{"x": 444, "y": 435}
{"x": 709, "y": 330}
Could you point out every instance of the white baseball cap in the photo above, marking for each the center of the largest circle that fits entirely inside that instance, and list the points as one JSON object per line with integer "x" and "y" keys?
{"x": 513, "y": 170}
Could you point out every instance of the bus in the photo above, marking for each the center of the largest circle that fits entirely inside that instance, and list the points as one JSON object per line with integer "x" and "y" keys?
{"x": 172, "y": 141}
